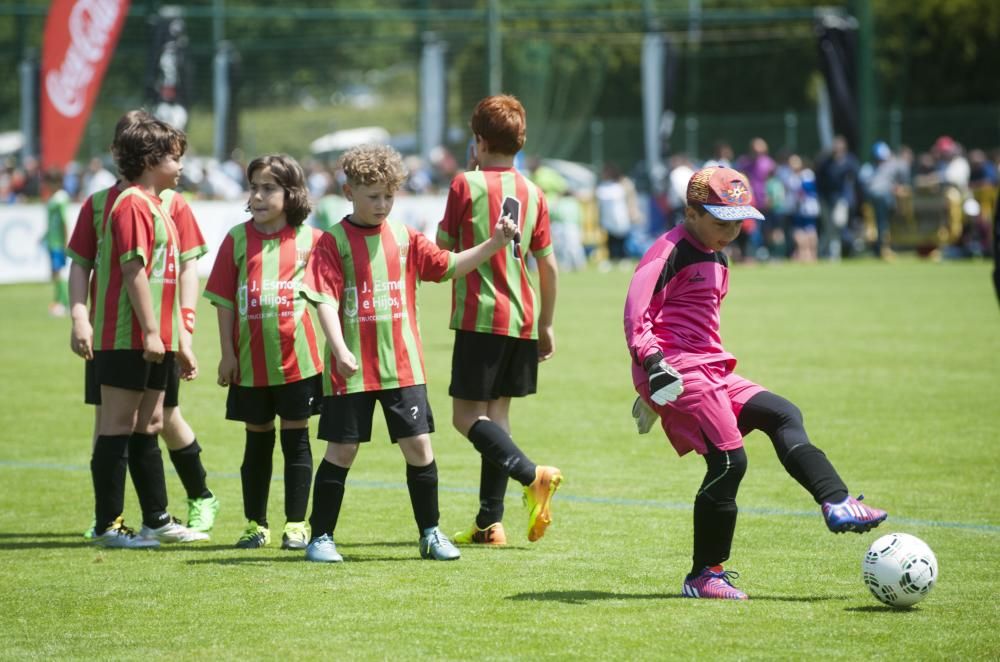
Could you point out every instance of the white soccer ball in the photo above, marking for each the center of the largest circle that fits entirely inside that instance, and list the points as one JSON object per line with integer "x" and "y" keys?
{"x": 899, "y": 569}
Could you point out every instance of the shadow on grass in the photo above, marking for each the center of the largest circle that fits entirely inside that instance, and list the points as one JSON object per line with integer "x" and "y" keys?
{"x": 77, "y": 535}
{"x": 583, "y": 597}
{"x": 883, "y": 609}
{"x": 295, "y": 558}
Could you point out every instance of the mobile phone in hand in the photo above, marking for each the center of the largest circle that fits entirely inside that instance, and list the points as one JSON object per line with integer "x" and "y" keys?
{"x": 512, "y": 207}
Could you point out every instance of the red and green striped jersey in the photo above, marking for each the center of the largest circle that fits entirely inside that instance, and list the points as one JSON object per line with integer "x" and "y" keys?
{"x": 499, "y": 296}
{"x": 370, "y": 275}
{"x": 84, "y": 245}
{"x": 136, "y": 227}
{"x": 257, "y": 276}
{"x": 193, "y": 244}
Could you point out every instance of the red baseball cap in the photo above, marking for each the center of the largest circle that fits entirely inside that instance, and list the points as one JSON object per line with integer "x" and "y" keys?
{"x": 724, "y": 193}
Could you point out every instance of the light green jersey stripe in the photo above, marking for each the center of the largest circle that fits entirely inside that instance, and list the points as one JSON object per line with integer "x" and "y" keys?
{"x": 244, "y": 353}
{"x": 303, "y": 353}
{"x": 480, "y": 232}
{"x": 348, "y": 312}
{"x": 406, "y": 325}
{"x": 379, "y": 264}
{"x": 530, "y": 222}
{"x": 270, "y": 329}
{"x": 512, "y": 265}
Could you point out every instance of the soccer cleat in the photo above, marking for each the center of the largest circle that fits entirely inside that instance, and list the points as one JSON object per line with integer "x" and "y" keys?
{"x": 254, "y": 536}
{"x": 120, "y": 536}
{"x": 537, "y": 499}
{"x": 852, "y": 515}
{"x": 172, "y": 531}
{"x": 643, "y": 415}
{"x": 435, "y": 545}
{"x": 201, "y": 513}
{"x": 323, "y": 550}
{"x": 491, "y": 535}
{"x": 295, "y": 536}
{"x": 712, "y": 582}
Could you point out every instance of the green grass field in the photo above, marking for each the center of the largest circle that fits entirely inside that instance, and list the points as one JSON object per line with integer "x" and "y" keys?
{"x": 895, "y": 366}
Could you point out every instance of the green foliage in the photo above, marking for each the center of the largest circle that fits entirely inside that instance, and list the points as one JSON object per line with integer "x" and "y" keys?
{"x": 894, "y": 367}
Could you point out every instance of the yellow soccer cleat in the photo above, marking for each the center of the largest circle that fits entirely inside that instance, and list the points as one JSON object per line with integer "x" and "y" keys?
{"x": 492, "y": 535}
{"x": 537, "y": 499}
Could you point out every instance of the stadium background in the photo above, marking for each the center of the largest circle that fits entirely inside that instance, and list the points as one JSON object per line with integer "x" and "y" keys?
{"x": 733, "y": 70}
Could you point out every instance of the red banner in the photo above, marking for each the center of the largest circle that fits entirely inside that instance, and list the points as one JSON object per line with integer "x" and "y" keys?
{"x": 80, "y": 36}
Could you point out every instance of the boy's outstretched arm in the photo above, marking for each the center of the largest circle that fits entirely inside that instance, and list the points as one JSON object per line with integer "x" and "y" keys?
{"x": 347, "y": 363}
{"x": 548, "y": 277}
{"x": 137, "y": 286}
{"x": 471, "y": 258}
{"x": 81, "y": 339}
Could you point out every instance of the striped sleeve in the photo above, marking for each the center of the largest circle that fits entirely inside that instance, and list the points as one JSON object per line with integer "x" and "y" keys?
{"x": 432, "y": 263}
{"x": 193, "y": 244}
{"x": 82, "y": 247}
{"x": 221, "y": 286}
{"x": 457, "y": 209}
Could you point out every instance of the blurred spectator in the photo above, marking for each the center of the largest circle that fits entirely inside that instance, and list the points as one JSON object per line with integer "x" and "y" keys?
{"x": 96, "y": 178}
{"x": 318, "y": 180}
{"x": 617, "y": 208}
{"x": 566, "y": 215}
{"x": 883, "y": 179}
{"x": 72, "y": 179}
{"x": 983, "y": 181}
{"x": 806, "y": 211}
{"x": 681, "y": 170}
{"x": 836, "y": 181}
{"x": 722, "y": 155}
{"x": 952, "y": 166}
{"x": 758, "y": 166}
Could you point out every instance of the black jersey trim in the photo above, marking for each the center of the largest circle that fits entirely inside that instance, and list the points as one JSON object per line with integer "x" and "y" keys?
{"x": 683, "y": 256}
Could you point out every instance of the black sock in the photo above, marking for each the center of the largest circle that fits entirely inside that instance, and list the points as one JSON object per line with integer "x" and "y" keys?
{"x": 187, "y": 463}
{"x": 145, "y": 463}
{"x": 714, "y": 525}
{"x": 328, "y": 496}
{"x": 492, "y": 489}
{"x": 493, "y": 443}
{"x": 255, "y": 474}
{"x": 298, "y": 472}
{"x": 108, "y": 466}
{"x": 810, "y": 467}
{"x": 423, "y": 485}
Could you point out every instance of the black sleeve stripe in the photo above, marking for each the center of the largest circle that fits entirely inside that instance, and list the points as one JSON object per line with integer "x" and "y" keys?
{"x": 683, "y": 256}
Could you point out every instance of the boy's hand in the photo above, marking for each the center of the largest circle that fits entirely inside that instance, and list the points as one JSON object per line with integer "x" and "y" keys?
{"x": 546, "y": 343}
{"x": 347, "y": 364}
{"x": 665, "y": 383}
{"x": 229, "y": 370}
{"x": 504, "y": 232}
{"x": 187, "y": 362}
{"x": 152, "y": 348}
{"x": 81, "y": 338}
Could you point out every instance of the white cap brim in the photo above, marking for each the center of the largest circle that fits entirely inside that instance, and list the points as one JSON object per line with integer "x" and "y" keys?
{"x": 728, "y": 213}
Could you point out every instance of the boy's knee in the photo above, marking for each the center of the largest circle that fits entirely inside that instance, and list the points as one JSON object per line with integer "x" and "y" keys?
{"x": 341, "y": 455}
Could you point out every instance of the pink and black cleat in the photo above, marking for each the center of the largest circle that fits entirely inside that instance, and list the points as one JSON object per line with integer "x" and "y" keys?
{"x": 852, "y": 515}
{"x": 712, "y": 582}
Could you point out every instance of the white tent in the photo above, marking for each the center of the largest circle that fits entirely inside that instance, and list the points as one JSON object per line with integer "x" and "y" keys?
{"x": 340, "y": 141}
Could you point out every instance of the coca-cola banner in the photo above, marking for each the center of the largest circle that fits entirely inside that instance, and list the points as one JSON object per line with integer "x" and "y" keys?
{"x": 80, "y": 36}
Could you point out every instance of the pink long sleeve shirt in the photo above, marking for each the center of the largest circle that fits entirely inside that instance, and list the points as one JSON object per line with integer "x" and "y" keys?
{"x": 673, "y": 304}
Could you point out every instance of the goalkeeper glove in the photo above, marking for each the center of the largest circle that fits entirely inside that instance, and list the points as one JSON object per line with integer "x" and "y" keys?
{"x": 643, "y": 416}
{"x": 665, "y": 383}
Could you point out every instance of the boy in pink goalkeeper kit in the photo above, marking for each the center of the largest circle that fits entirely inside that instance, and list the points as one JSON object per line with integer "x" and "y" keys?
{"x": 683, "y": 373}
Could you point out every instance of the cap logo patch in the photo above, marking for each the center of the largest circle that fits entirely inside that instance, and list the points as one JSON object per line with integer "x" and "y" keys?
{"x": 736, "y": 193}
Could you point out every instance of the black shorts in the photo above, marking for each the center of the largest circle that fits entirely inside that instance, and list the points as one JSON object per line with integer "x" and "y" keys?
{"x": 92, "y": 390}
{"x": 485, "y": 366}
{"x": 125, "y": 368}
{"x": 348, "y": 418}
{"x": 260, "y": 404}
